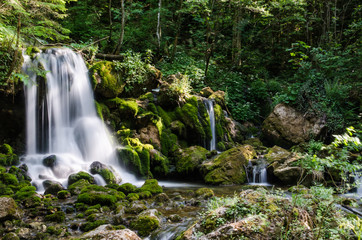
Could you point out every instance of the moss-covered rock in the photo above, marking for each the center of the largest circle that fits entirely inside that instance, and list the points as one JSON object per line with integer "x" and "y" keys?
{"x": 169, "y": 143}
{"x": 58, "y": 216}
{"x": 127, "y": 188}
{"x": 7, "y": 156}
{"x": 204, "y": 193}
{"x": 228, "y": 167}
{"x": 106, "y": 80}
{"x": 127, "y": 108}
{"x": 104, "y": 171}
{"x": 77, "y": 187}
{"x": 189, "y": 160}
{"x": 151, "y": 185}
{"x": 133, "y": 196}
{"x": 63, "y": 194}
{"x": 52, "y": 187}
{"x": 80, "y": 175}
{"x": 159, "y": 163}
{"x": 94, "y": 194}
{"x": 145, "y": 225}
{"x": 129, "y": 157}
{"x": 9, "y": 209}
{"x": 277, "y": 154}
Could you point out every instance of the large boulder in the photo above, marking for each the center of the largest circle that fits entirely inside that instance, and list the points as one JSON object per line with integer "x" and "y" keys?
{"x": 286, "y": 127}
{"x": 106, "y": 232}
{"x": 189, "y": 160}
{"x": 282, "y": 165}
{"x": 228, "y": 167}
{"x": 9, "y": 209}
{"x": 103, "y": 170}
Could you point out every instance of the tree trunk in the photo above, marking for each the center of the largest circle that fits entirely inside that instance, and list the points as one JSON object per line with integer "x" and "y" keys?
{"x": 158, "y": 30}
{"x": 110, "y": 21}
{"x": 123, "y": 24}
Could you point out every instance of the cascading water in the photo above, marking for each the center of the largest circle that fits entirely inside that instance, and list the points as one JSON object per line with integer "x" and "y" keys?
{"x": 257, "y": 173}
{"x": 62, "y": 120}
{"x": 209, "y": 104}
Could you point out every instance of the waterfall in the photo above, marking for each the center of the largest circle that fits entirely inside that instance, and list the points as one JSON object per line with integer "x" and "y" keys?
{"x": 62, "y": 120}
{"x": 209, "y": 104}
{"x": 256, "y": 172}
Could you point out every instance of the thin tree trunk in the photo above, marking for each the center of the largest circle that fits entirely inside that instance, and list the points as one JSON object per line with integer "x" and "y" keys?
{"x": 123, "y": 24}
{"x": 110, "y": 21}
{"x": 158, "y": 30}
{"x": 178, "y": 28}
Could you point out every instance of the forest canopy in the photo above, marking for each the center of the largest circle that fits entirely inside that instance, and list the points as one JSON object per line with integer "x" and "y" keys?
{"x": 305, "y": 53}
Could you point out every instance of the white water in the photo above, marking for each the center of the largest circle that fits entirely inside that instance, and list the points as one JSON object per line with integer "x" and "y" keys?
{"x": 257, "y": 174}
{"x": 62, "y": 120}
{"x": 209, "y": 104}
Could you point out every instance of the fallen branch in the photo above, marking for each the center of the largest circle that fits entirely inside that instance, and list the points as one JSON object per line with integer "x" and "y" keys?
{"x": 109, "y": 56}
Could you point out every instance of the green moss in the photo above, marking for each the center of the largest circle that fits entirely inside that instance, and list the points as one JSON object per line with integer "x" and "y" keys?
{"x": 144, "y": 155}
{"x": 166, "y": 119}
{"x": 58, "y": 217}
{"x": 127, "y": 188}
{"x": 189, "y": 160}
{"x": 7, "y": 157}
{"x": 124, "y": 133}
{"x": 145, "y": 194}
{"x": 126, "y": 107}
{"x": 92, "y": 225}
{"x": 228, "y": 167}
{"x": 168, "y": 142}
{"x": 108, "y": 176}
{"x": 152, "y": 186}
{"x": 133, "y": 196}
{"x": 147, "y": 96}
{"x": 145, "y": 225}
{"x": 10, "y": 179}
{"x": 159, "y": 164}
{"x": 130, "y": 158}
{"x": 219, "y": 115}
{"x": 95, "y": 198}
{"x": 221, "y": 146}
{"x": 63, "y": 194}
{"x": 106, "y": 80}
{"x": 80, "y": 175}
{"x": 204, "y": 193}
{"x": 25, "y": 192}
{"x": 76, "y": 187}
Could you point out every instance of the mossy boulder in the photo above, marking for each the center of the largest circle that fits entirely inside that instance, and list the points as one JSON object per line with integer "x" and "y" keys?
{"x": 204, "y": 193}
{"x": 129, "y": 157}
{"x": 151, "y": 185}
{"x": 50, "y": 161}
{"x": 9, "y": 209}
{"x": 7, "y": 156}
{"x": 80, "y": 175}
{"x": 127, "y": 188}
{"x": 146, "y": 222}
{"x": 58, "y": 216}
{"x": 228, "y": 167}
{"x": 106, "y": 80}
{"x": 94, "y": 194}
{"x": 77, "y": 187}
{"x": 52, "y": 187}
{"x": 104, "y": 171}
{"x": 64, "y": 194}
{"x": 159, "y": 163}
{"x": 127, "y": 108}
{"x": 282, "y": 165}
{"x": 189, "y": 160}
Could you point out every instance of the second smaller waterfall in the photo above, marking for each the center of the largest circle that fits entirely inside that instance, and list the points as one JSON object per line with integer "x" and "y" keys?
{"x": 210, "y": 110}
{"x": 257, "y": 172}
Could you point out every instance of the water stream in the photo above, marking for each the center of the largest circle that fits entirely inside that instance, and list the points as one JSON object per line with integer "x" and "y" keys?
{"x": 257, "y": 172}
{"x": 62, "y": 120}
{"x": 209, "y": 104}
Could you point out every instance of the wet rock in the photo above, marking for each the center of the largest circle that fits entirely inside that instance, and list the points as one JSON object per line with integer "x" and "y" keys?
{"x": 104, "y": 232}
{"x": 174, "y": 218}
{"x": 80, "y": 175}
{"x": 9, "y": 209}
{"x": 150, "y": 135}
{"x": 11, "y": 236}
{"x": 228, "y": 167}
{"x": 152, "y": 186}
{"x": 285, "y": 126}
{"x": 103, "y": 170}
{"x": 162, "y": 198}
{"x": 52, "y": 187}
{"x": 76, "y": 188}
{"x": 204, "y": 193}
{"x": 135, "y": 208}
{"x": 206, "y": 92}
{"x": 50, "y": 161}
{"x": 146, "y": 222}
